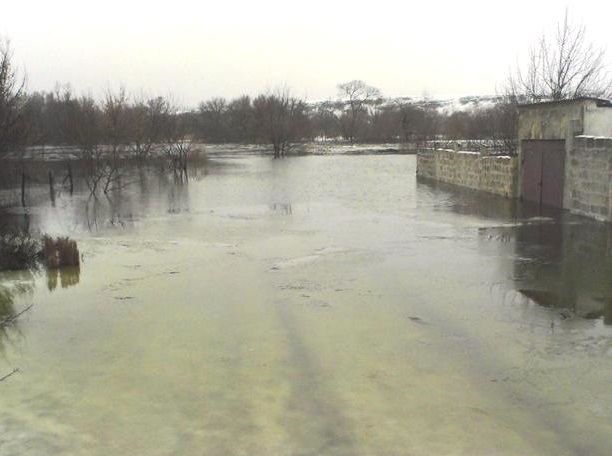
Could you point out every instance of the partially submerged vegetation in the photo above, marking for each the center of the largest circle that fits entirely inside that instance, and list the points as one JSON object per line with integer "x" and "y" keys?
{"x": 21, "y": 251}
{"x": 107, "y": 132}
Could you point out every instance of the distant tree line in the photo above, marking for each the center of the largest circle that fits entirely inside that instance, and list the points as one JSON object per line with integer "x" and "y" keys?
{"x": 358, "y": 114}
{"x": 560, "y": 66}
{"x": 278, "y": 119}
{"x": 61, "y": 118}
{"x": 120, "y": 125}
{"x": 563, "y": 66}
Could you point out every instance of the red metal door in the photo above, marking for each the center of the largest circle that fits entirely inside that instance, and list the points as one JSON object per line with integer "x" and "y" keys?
{"x": 531, "y": 169}
{"x": 553, "y": 174}
{"x": 543, "y": 171}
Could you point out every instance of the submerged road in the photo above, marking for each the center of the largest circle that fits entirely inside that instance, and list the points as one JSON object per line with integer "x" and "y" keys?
{"x": 312, "y": 306}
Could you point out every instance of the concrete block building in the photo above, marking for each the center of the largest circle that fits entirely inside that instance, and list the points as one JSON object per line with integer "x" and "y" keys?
{"x": 565, "y": 155}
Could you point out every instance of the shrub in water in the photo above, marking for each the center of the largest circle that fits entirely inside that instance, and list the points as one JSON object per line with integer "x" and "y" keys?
{"x": 18, "y": 251}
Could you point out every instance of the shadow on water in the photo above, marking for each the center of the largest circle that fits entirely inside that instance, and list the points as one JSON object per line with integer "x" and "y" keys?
{"x": 559, "y": 260}
{"x": 568, "y": 266}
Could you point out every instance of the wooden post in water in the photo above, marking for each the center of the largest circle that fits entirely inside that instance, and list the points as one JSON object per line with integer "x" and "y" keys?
{"x": 23, "y": 185}
{"x": 70, "y": 181}
{"x": 51, "y": 188}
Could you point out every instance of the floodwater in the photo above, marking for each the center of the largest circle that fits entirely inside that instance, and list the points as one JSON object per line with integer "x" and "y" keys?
{"x": 317, "y": 305}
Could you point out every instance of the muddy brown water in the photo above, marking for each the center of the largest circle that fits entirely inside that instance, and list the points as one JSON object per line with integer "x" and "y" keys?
{"x": 310, "y": 306}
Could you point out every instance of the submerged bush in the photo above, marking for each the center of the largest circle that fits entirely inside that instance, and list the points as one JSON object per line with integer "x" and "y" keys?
{"x": 18, "y": 251}
{"x": 60, "y": 252}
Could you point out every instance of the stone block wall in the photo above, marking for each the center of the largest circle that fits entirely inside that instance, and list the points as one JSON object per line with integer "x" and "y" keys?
{"x": 426, "y": 163}
{"x": 589, "y": 178}
{"x": 492, "y": 174}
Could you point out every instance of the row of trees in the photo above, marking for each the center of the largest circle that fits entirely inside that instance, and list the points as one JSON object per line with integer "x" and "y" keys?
{"x": 138, "y": 126}
{"x": 120, "y": 125}
{"x": 102, "y": 133}
{"x": 359, "y": 114}
{"x": 107, "y": 132}
{"x": 561, "y": 67}
{"x": 61, "y": 118}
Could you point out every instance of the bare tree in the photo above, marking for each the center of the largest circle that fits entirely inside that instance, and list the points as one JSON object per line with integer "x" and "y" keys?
{"x": 212, "y": 113}
{"x": 115, "y": 108}
{"x": 418, "y": 124}
{"x": 179, "y": 147}
{"x": 279, "y": 118}
{"x": 89, "y": 134}
{"x": 503, "y": 119}
{"x": 240, "y": 121}
{"x": 325, "y": 121}
{"x": 355, "y": 95}
{"x": 564, "y": 66}
{"x": 61, "y": 117}
{"x": 148, "y": 122}
{"x": 116, "y": 130}
{"x": 13, "y": 131}
{"x": 139, "y": 143}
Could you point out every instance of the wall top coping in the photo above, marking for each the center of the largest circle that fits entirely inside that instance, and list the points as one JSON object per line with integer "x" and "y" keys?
{"x": 592, "y": 137}
{"x": 600, "y": 102}
{"x": 470, "y": 152}
{"x": 467, "y": 152}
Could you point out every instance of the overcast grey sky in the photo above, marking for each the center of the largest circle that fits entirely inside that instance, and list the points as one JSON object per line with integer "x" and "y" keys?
{"x": 199, "y": 49}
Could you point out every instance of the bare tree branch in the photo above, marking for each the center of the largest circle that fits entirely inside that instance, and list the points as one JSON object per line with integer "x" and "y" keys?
{"x": 11, "y": 318}
{"x": 355, "y": 95}
{"x": 564, "y": 66}
{"x": 9, "y": 375}
{"x": 13, "y": 131}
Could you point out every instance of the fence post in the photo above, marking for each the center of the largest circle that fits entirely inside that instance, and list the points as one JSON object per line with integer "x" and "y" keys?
{"x": 51, "y": 188}
{"x": 70, "y": 179}
{"x": 23, "y": 185}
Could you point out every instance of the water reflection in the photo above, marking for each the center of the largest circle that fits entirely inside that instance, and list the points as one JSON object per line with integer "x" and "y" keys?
{"x": 178, "y": 198}
{"x": 144, "y": 190}
{"x": 68, "y": 277}
{"x": 559, "y": 260}
{"x": 98, "y": 214}
{"x": 566, "y": 266}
